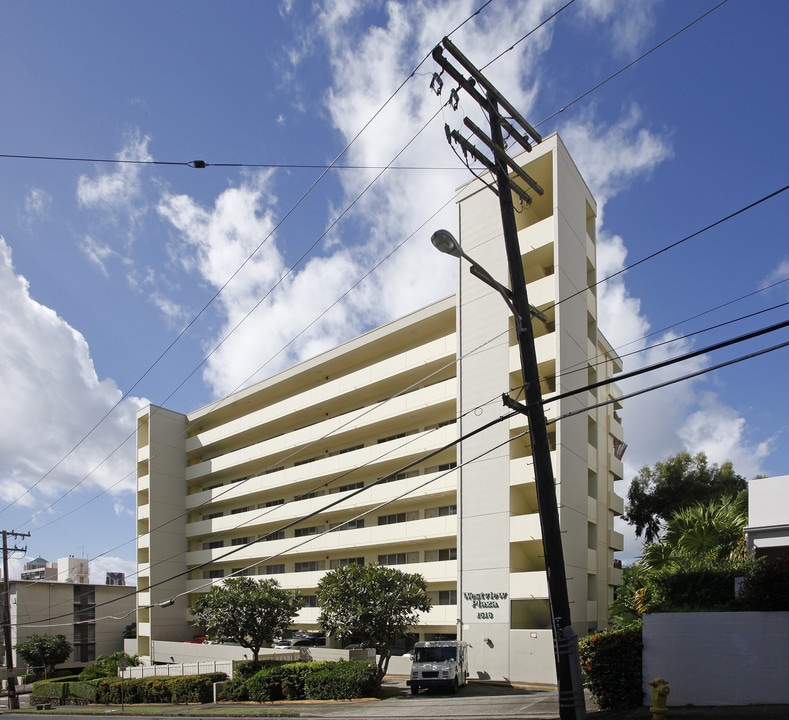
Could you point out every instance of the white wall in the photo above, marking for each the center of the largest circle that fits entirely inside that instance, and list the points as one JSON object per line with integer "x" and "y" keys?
{"x": 718, "y": 658}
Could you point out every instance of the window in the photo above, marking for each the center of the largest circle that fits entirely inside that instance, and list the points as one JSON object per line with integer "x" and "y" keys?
{"x": 350, "y": 525}
{"x": 346, "y": 450}
{"x": 310, "y": 566}
{"x": 447, "y": 510}
{"x": 447, "y": 597}
{"x": 240, "y": 510}
{"x": 213, "y": 574}
{"x": 398, "y": 558}
{"x": 239, "y": 541}
{"x": 275, "y": 569}
{"x": 274, "y": 535}
{"x": 241, "y": 572}
{"x": 400, "y": 476}
{"x": 303, "y": 532}
{"x": 342, "y": 562}
{"x": 213, "y": 516}
{"x": 448, "y": 554}
{"x": 351, "y": 486}
{"x": 309, "y": 495}
{"x": 272, "y": 503}
{"x": 213, "y": 544}
{"x": 310, "y": 601}
{"x": 391, "y": 519}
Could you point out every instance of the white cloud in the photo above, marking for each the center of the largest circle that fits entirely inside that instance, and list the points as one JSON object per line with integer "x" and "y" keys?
{"x": 719, "y": 431}
{"x": 51, "y": 396}
{"x": 119, "y": 188}
{"x": 37, "y": 203}
{"x": 97, "y": 252}
{"x": 100, "y": 566}
{"x": 780, "y": 274}
{"x": 629, "y": 22}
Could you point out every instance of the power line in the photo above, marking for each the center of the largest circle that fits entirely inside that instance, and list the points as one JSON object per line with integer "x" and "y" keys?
{"x": 507, "y": 416}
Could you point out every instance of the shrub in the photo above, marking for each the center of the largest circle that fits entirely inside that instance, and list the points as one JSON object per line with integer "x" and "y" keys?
{"x": 341, "y": 680}
{"x": 85, "y": 690}
{"x": 49, "y": 689}
{"x": 294, "y": 677}
{"x": 766, "y": 587}
{"x": 266, "y": 685}
{"x": 190, "y": 688}
{"x": 611, "y": 663}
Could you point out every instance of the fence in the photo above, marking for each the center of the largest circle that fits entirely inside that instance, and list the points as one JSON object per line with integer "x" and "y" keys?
{"x": 179, "y": 669}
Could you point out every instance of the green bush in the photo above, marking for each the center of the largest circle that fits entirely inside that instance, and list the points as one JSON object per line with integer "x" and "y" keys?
{"x": 341, "y": 680}
{"x": 266, "y": 685}
{"x": 186, "y": 689}
{"x": 85, "y": 690}
{"x": 49, "y": 689}
{"x": 611, "y": 663}
{"x": 235, "y": 690}
{"x": 766, "y": 586}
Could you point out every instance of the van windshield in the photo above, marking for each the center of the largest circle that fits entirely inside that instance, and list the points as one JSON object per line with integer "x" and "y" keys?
{"x": 434, "y": 654}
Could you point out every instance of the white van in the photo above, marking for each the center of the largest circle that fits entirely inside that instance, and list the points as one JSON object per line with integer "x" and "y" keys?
{"x": 440, "y": 663}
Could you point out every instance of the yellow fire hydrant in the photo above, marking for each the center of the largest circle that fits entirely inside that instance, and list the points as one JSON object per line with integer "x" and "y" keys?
{"x": 660, "y": 691}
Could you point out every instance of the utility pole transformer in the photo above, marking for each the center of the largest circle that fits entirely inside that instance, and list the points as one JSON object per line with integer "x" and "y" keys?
{"x": 13, "y": 700}
{"x": 568, "y": 672}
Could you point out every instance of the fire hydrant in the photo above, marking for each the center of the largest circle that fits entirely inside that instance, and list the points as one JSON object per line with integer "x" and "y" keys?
{"x": 660, "y": 691}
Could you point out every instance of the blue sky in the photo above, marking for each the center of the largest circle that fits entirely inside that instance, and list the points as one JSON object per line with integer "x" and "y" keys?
{"x": 125, "y": 283}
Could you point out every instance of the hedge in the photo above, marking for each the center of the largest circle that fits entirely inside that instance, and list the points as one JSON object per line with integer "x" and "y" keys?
{"x": 611, "y": 663}
{"x": 317, "y": 680}
{"x": 186, "y": 689}
{"x": 341, "y": 681}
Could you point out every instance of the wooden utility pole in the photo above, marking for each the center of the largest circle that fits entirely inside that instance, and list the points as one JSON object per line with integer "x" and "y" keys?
{"x": 13, "y": 700}
{"x": 568, "y": 672}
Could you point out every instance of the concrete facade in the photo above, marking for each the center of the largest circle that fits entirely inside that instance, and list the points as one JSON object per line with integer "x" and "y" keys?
{"x": 74, "y": 610}
{"x": 767, "y": 533}
{"x": 351, "y": 456}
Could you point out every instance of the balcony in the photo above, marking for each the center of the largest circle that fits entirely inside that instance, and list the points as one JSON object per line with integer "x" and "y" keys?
{"x": 526, "y": 585}
{"x": 525, "y": 528}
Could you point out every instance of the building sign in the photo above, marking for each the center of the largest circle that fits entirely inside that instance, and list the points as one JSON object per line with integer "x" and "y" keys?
{"x": 487, "y": 605}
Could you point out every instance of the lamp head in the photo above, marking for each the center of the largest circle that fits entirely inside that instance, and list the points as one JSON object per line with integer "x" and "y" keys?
{"x": 445, "y": 242}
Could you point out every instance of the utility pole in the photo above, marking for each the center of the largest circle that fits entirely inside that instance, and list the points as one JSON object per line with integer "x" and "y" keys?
{"x": 13, "y": 700}
{"x": 568, "y": 673}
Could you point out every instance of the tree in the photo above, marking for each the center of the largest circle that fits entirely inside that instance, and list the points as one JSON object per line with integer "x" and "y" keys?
{"x": 691, "y": 566}
{"x": 375, "y": 602}
{"x": 106, "y": 666}
{"x": 655, "y": 494}
{"x": 249, "y": 612}
{"x": 44, "y": 651}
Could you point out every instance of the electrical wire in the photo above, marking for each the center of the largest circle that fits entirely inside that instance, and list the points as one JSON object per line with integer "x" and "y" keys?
{"x": 357, "y": 135}
{"x": 507, "y": 416}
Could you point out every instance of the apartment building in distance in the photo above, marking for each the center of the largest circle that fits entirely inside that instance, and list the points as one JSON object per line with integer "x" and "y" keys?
{"x": 69, "y": 569}
{"x": 352, "y": 456}
{"x": 57, "y": 598}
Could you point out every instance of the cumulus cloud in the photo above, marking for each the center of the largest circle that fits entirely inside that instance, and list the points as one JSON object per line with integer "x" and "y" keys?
{"x": 51, "y": 395}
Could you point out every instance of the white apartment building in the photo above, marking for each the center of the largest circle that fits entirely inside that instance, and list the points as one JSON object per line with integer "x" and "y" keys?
{"x": 68, "y": 569}
{"x": 352, "y": 456}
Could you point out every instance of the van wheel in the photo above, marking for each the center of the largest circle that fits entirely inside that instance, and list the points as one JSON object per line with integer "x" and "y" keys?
{"x": 414, "y": 689}
{"x": 455, "y": 686}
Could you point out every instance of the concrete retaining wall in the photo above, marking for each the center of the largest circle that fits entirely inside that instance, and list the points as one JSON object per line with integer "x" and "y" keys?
{"x": 718, "y": 658}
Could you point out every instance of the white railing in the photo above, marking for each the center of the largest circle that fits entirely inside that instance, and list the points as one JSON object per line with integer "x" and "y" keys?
{"x": 178, "y": 669}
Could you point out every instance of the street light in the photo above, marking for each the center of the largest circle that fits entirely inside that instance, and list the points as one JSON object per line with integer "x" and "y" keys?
{"x": 444, "y": 241}
{"x": 568, "y": 670}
